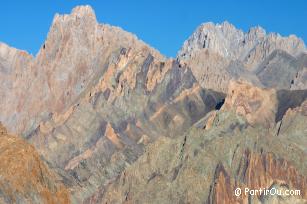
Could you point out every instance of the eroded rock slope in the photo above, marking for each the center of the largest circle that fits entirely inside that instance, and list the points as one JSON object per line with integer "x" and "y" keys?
{"x": 207, "y": 165}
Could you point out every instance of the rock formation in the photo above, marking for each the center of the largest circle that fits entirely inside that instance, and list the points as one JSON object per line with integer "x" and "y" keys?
{"x": 77, "y": 50}
{"x": 111, "y": 120}
{"x": 229, "y": 42}
{"x": 24, "y": 177}
{"x": 206, "y": 166}
{"x": 219, "y": 53}
{"x": 258, "y": 106}
{"x": 118, "y": 98}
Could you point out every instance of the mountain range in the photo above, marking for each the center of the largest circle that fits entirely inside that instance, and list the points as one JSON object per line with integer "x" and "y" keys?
{"x": 99, "y": 116}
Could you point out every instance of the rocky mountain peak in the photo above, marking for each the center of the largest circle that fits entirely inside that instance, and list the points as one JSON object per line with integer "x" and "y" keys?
{"x": 256, "y": 32}
{"x": 220, "y": 52}
{"x": 85, "y": 10}
{"x": 77, "y": 49}
{"x": 220, "y": 38}
{"x": 232, "y": 43}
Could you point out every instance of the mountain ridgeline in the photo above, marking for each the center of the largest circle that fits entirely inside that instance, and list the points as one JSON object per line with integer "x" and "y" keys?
{"x": 111, "y": 120}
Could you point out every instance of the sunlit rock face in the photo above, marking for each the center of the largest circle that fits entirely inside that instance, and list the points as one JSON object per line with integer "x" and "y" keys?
{"x": 114, "y": 121}
{"x": 258, "y": 106}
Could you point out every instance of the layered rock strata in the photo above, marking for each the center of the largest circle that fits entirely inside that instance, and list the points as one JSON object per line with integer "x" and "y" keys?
{"x": 206, "y": 166}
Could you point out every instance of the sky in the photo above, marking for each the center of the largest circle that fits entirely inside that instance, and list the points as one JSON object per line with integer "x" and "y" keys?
{"x": 163, "y": 24}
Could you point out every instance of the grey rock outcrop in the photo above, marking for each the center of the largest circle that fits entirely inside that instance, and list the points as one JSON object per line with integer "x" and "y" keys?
{"x": 229, "y": 42}
{"x": 212, "y": 50}
{"x": 300, "y": 80}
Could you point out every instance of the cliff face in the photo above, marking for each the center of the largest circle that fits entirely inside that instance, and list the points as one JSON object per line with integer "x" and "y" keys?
{"x": 24, "y": 177}
{"x": 118, "y": 122}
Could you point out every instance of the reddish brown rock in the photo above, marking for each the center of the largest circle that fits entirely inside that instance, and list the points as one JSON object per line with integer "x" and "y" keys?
{"x": 257, "y": 171}
{"x": 257, "y": 105}
{"x": 24, "y": 177}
